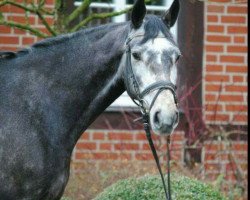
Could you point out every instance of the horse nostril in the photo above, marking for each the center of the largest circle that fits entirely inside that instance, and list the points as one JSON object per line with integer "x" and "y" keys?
{"x": 176, "y": 117}
{"x": 157, "y": 119}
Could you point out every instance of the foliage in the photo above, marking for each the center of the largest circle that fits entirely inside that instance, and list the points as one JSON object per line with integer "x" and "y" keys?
{"x": 150, "y": 187}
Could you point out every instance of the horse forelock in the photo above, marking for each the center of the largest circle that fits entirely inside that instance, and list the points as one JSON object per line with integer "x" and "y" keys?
{"x": 153, "y": 26}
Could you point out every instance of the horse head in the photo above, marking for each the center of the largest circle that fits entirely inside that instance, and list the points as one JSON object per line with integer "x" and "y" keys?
{"x": 150, "y": 73}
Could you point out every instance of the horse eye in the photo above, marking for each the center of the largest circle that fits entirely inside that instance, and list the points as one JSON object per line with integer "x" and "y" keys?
{"x": 177, "y": 59}
{"x": 136, "y": 56}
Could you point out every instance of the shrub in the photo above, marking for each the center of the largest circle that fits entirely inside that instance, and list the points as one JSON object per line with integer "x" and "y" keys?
{"x": 150, "y": 188}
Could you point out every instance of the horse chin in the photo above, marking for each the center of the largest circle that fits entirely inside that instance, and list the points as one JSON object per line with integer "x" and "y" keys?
{"x": 160, "y": 132}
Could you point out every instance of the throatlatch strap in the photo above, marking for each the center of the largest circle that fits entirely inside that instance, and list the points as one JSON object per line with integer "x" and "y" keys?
{"x": 152, "y": 147}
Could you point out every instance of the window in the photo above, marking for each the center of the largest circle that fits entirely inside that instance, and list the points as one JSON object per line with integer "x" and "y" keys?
{"x": 157, "y": 7}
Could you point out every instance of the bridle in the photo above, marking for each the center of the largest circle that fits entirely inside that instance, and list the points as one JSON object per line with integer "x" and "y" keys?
{"x": 133, "y": 91}
{"x": 132, "y": 84}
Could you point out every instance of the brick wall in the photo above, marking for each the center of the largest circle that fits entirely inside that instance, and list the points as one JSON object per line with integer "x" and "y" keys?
{"x": 14, "y": 39}
{"x": 225, "y": 62}
{"x": 227, "y": 159}
{"x": 117, "y": 145}
{"x": 224, "y": 91}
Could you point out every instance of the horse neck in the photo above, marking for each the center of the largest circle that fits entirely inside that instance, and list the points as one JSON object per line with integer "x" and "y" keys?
{"x": 88, "y": 77}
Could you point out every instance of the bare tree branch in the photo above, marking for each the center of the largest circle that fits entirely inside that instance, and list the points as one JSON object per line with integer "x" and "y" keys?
{"x": 24, "y": 27}
{"x": 45, "y": 23}
{"x": 25, "y": 7}
{"x": 98, "y": 16}
{"x": 77, "y": 11}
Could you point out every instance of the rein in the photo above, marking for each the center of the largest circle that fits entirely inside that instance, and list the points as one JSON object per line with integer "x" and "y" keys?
{"x": 133, "y": 90}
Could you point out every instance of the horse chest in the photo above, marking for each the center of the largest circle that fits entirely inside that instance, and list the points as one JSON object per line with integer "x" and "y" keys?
{"x": 45, "y": 187}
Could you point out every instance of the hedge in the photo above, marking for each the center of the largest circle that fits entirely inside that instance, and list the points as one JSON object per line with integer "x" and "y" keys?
{"x": 150, "y": 188}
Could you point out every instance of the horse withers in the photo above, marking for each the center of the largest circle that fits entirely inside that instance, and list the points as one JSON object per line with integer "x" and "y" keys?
{"x": 51, "y": 92}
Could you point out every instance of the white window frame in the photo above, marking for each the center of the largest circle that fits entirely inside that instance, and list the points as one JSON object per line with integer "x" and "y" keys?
{"x": 124, "y": 100}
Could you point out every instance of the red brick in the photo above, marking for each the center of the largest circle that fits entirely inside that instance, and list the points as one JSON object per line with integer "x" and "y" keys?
{"x": 120, "y": 136}
{"x": 177, "y": 137}
{"x": 237, "y": 9}
{"x": 126, "y": 146}
{"x": 231, "y": 98}
{"x": 217, "y": 117}
{"x": 220, "y": 1}
{"x": 7, "y": 48}
{"x": 210, "y": 156}
{"x": 210, "y": 97}
{"x": 105, "y": 156}
{"x": 44, "y": 30}
{"x": 125, "y": 156}
{"x": 14, "y": 9}
{"x": 50, "y": 2}
{"x": 237, "y": 29}
{"x": 98, "y": 136}
{"x": 212, "y": 167}
{"x": 175, "y": 146}
{"x": 141, "y": 136}
{"x": 4, "y": 29}
{"x": 105, "y": 146}
{"x": 233, "y": 19}
{"x": 239, "y": 39}
{"x": 236, "y": 88}
{"x": 86, "y": 146}
{"x": 217, "y": 78}
{"x": 144, "y": 156}
{"x": 231, "y": 167}
{"x": 5, "y": 8}
{"x": 85, "y": 136}
{"x": 83, "y": 156}
{"x": 50, "y": 21}
{"x": 238, "y": 79}
{"x": 212, "y": 147}
{"x": 22, "y": 19}
{"x": 214, "y": 48}
{"x": 212, "y": 18}
{"x": 236, "y": 108}
{"x": 213, "y": 107}
{"x": 211, "y": 58}
{"x": 219, "y": 38}
{"x": 213, "y": 88}
{"x": 146, "y": 147}
{"x": 215, "y": 9}
{"x": 239, "y": 69}
{"x": 9, "y": 40}
{"x": 215, "y": 28}
{"x": 19, "y": 31}
{"x": 232, "y": 59}
{"x": 240, "y": 118}
{"x": 230, "y": 177}
{"x": 28, "y": 40}
{"x": 214, "y": 68}
{"x": 237, "y": 49}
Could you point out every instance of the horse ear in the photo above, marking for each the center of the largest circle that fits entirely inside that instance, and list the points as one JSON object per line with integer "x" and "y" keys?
{"x": 171, "y": 15}
{"x": 138, "y": 13}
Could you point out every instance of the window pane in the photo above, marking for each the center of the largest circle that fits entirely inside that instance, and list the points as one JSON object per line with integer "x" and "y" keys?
{"x": 154, "y": 2}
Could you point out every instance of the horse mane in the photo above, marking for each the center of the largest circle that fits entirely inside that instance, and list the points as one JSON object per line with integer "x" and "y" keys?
{"x": 41, "y": 44}
{"x": 51, "y": 41}
{"x": 153, "y": 26}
